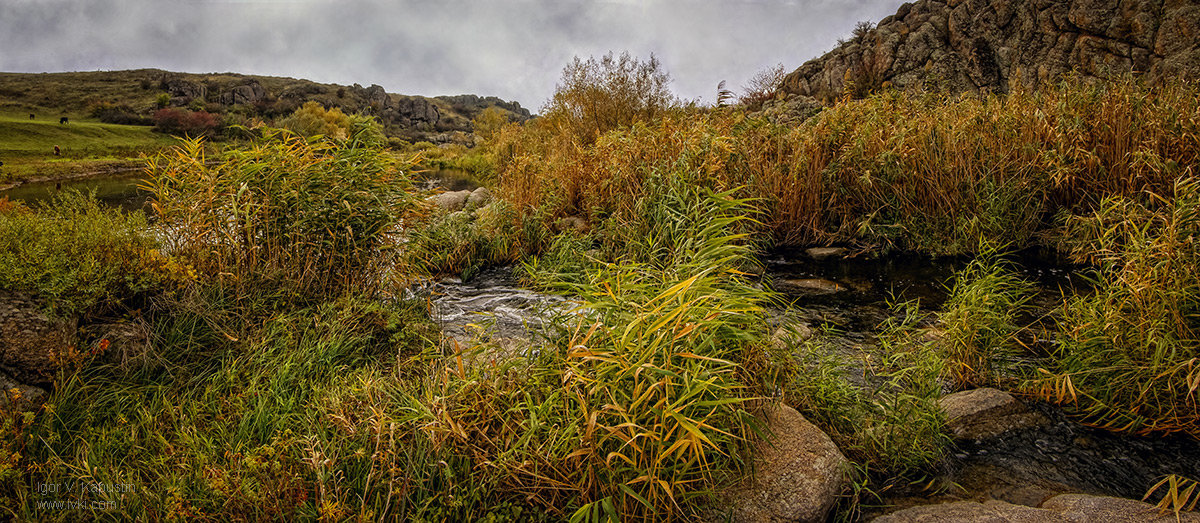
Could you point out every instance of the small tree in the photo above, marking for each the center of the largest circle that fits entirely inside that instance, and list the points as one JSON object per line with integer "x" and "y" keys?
{"x": 596, "y": 96}
{"x": 762, "y": 87}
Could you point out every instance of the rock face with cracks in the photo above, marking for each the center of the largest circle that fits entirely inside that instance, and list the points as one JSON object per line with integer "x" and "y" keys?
{"x": 993, "y": 45}
{"x": 798, "y": 473}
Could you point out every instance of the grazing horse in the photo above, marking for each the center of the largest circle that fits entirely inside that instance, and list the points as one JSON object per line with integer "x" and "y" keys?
{"x": 32, "y": 116}
{"x": 62, "y": 120}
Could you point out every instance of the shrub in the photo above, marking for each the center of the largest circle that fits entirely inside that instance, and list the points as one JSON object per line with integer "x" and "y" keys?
{"x": 285, "y": 216}
{"x": 119, "y": 114}
{"x": 182, "y": 122}
{"x": 314, "y": 120}
{"x": 81, "y": 257}
{"x": 761, "y": 87}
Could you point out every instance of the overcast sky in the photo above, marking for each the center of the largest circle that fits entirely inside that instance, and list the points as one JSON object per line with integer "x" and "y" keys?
{"x": 514, "y": 49}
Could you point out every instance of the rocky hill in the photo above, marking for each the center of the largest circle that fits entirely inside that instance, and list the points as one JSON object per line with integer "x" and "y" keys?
{"x": 140, "y": 92}
{"x": 990, "y": 45}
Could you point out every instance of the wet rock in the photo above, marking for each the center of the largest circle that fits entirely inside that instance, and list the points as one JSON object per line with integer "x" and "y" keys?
{"x": 812, "y": 285}
{"x": 1062, "y": 508}
{"x": 478, "y": 198}
{"x": 797, "y": 474}
{"x": 17, "y": 396}
{"x": 987, "y": 413}
{"x": 821, "y": 253}
{"x": 32, "y": 345}
{"x": 451, "y": 201}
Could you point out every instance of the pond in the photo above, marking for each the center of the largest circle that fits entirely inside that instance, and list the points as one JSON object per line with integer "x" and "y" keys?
{"x": 122, "y": 189}
{"x": 114, "y": 190}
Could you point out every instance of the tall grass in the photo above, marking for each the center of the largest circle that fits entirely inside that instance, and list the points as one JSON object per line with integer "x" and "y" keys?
{"x": 304, "y": 219}
{"x": 887, "y": 419}
{"x": 221, "y": 429}
{"x": 1129, "y": 354}
{"x": 979, "y": 322}
{"x": 931, "y": 172}
{"x": 642, "y": 408}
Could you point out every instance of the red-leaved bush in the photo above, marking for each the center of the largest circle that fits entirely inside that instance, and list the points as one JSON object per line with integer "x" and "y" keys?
{"x": 185, "y": 123}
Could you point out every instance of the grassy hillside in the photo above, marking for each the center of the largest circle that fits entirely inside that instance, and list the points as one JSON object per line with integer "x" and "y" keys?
{"x": 27, "y": 146}
{"x": 140, "y": 92}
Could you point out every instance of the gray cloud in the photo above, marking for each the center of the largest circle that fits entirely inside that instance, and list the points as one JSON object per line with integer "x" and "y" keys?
{"x": 514, "y": 49}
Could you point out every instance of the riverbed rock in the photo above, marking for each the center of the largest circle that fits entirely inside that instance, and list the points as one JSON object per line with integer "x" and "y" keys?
{"x": 32, "y": 344}
{"x": 986, "y": 413}
{"x": 821, "y": 253}
{"x": 1067, "y": 508}
{"x": 17, "y": 396}
{"x": 797, "y": 474}
{"x": 451, "y": 201}
{"x": 478, "y": 198}
{"x": 1082, "y": 507}
{"x": 811, "y": 285}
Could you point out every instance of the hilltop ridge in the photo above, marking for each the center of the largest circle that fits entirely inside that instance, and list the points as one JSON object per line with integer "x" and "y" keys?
{"x": 140, "y": 92}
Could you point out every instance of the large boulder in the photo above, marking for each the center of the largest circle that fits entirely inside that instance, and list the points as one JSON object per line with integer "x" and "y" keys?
{"x": 32, "y": 344}
{"x": 451, "y": 201}
{"x": 1067, "y": 508}
{"x": 798, "y": 473}
{"x": 986, "y": 413}
{"x": 478, "y": 198}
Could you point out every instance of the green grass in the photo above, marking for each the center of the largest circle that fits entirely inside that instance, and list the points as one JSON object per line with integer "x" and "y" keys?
{"x": 27, "y": 146}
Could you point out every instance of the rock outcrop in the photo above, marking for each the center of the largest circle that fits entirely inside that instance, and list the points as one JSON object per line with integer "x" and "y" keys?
{"x": 245, "y": 94}
{"x": 990, "y": 45}
{"x": 1074, "y": 508}
{"x": 797, "y": 474}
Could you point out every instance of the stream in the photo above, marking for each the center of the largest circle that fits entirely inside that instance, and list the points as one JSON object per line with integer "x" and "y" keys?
{"x": 846, "y": 298}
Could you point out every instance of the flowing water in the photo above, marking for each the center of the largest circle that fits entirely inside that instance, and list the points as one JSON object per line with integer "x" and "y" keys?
{"x": 848, "y": 297}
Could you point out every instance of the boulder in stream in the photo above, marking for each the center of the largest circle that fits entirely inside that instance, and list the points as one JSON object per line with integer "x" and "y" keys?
{"x": 478, "y": 198}
{"x": 797, "y": 474}
{"x": 811, "y": 285}
{"x": 986, "y": 413}
{"x": 451, "y": 201}
{"x": 821, "y": 253}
